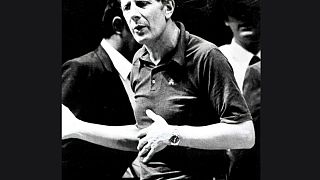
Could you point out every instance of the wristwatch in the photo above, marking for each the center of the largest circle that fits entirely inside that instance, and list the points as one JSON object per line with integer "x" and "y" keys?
{"x": 175, "y": 138}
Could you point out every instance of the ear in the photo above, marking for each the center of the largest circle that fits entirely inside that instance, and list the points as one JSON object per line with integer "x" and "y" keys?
{"x": 227, "y": 20}
{"x": 169, "y": 8}
{"x": 117, "y": 25}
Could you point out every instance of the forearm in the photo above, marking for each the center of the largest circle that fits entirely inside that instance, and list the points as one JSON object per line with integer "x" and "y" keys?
{"x": 218, "y": 136}
{"x": 116, "y": 137}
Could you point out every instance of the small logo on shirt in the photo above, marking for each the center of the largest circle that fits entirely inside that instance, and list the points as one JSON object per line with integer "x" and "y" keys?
{"x": 171, "y": 82}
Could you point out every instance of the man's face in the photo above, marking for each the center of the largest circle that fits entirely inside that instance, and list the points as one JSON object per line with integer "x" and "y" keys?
{"x": 244, "y": 32}
{"x": 145, "y": 18}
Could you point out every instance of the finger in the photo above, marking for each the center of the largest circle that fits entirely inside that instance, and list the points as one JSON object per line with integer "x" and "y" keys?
{"x": 144, "y": 150}
{"x": 142, "y": 142}
{"x": 154, "y": 116}
{"x": 142, "y": 133}
{"x": 149, "y": 155}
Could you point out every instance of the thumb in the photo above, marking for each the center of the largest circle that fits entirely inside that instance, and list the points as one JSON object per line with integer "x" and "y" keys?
{"x": 155, "y": 117}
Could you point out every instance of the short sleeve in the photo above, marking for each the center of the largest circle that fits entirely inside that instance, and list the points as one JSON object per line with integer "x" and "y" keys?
{"x": 223, "y": 91}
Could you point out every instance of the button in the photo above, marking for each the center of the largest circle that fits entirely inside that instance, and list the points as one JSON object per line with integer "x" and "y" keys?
{"x": 153, "y": 81}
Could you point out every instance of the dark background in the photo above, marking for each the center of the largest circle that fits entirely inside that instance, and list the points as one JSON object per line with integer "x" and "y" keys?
{"x": 31, "y": 39}
{"x": 81, "y": 26}
{"x": 81, "y": 31}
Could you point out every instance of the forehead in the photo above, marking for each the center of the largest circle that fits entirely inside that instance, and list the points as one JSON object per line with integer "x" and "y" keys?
{"x": 123, "y": 1}
{"x": 126, "y": 1}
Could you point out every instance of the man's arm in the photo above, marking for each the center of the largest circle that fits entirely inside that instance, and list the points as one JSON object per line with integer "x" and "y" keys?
{"x": 116, "y": 137}
{"x": 212, "y": 137}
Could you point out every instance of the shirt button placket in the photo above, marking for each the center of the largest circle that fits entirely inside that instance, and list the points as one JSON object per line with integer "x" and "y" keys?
{"x": 153, "y": 81}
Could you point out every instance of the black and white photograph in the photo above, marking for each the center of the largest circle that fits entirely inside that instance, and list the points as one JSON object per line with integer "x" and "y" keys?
{"x": 161, "y": 89}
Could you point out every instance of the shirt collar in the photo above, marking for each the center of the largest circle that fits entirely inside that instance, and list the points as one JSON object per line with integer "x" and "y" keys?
{"x": 122, "y": 65}
{"x": 239, "y": 52}
{"x": 259, "y": 54}
{"x": 177, "y": 54}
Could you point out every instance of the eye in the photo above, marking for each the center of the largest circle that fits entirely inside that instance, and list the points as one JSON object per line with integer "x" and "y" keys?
{"x": 126, "y": 6}
{"x": 142, "y": 4}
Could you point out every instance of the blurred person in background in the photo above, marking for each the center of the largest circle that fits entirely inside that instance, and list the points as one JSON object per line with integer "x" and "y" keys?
{"x": 95, "y": 87}
{"x": 244, "y": 55}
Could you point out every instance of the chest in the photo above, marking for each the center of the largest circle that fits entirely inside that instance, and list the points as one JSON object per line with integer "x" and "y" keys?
{"x": 169, "y": 91}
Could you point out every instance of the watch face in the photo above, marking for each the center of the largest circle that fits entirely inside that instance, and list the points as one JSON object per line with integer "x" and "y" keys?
{"x": 174, "y": 140}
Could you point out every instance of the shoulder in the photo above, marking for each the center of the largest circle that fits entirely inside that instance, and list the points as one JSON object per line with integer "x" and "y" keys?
{"x": 82, "y": 67}
{"x": 204, "y": 51}
{"x": 255, "y": 68}
{"x": 199, "y": 45}
{"x": 87, "y": 61}
{"x": 253, "y": 73}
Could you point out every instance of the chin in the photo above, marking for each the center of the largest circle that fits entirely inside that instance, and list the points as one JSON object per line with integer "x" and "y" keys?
{"x": 250, "y": 38}
{"x": 140, "y": 40}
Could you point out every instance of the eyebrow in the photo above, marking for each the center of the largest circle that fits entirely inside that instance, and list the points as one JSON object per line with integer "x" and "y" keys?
{"x": 126, "y": 4}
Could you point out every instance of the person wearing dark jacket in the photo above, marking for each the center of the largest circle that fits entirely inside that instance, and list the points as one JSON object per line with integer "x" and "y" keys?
{"x": 96, "y": 89}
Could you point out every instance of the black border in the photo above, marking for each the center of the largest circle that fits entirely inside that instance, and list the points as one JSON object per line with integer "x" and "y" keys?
{"x": 30, "y": 77}
{"x": 289, "y": 93}
{"x": 30, "y": 90}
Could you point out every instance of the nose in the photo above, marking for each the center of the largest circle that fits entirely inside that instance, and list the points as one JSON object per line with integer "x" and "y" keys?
{"x": 134, "y": 13}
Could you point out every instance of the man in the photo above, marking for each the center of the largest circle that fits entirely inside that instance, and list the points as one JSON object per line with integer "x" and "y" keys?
{"x": 188, "y": 107}
{"x": 189, "y": 84}
{"x": 243, "y": 18}
{"x": 96, "y": 89}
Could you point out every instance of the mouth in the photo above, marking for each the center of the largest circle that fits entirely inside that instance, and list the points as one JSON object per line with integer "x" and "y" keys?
{"x": 246, "y": 30}
{"x": 138, "y": 28}
{"x": 246, "y": 33}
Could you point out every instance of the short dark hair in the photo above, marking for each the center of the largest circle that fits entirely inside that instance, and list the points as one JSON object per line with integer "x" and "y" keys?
{"x": 113, "y": 9}
{"x": 245, "y": 10}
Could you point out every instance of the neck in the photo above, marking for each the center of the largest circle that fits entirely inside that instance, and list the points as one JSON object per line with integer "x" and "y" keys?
{"x": 116, "y": 42}
{"x": 253, "y": 47}
{"x": 165, "y": 43}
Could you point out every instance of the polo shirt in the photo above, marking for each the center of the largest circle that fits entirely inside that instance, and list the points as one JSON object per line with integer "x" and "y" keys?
{"x": 192, "y": 85}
